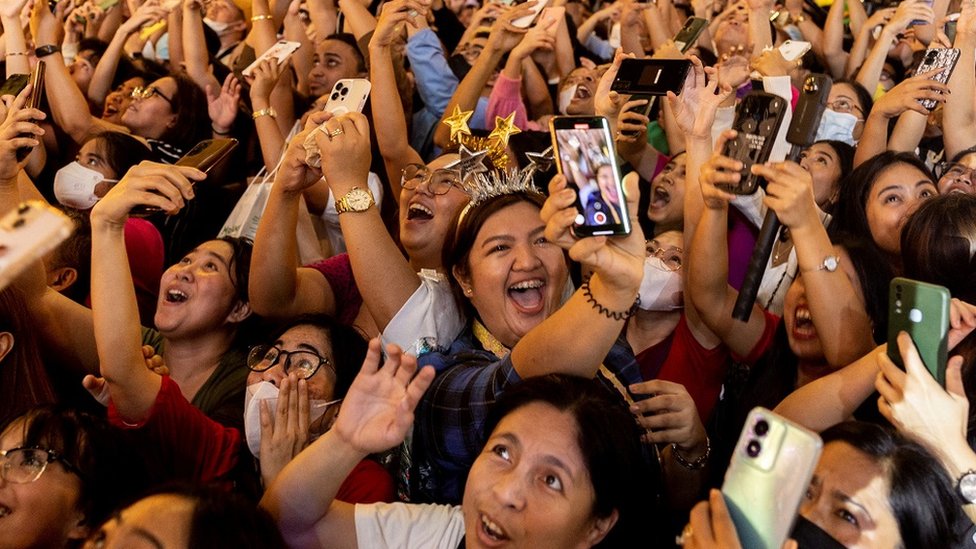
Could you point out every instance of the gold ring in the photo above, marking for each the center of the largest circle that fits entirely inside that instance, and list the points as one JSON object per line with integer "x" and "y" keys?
{"x": 685, "y": 536}
{"x": 336, "y": 132}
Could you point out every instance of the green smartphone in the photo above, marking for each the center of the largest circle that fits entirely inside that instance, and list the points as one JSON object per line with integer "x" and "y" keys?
{"x": 770, "y": 471}
{"x": 922, "y": 310}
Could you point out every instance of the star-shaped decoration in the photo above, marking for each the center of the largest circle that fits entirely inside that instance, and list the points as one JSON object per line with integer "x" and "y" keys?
{"x": 504, "y": 128}
{"x": 470, "y": 162}
{"x": 540, "y": 161}
{"x": 458, "y": 122}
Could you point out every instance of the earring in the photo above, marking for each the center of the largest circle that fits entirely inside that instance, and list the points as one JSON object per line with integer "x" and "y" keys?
{"x": 468, "y": 292}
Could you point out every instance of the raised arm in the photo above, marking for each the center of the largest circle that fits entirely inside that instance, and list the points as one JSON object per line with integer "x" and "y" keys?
{"x": 358, "y": 18}
{"x": 101, "y": 82}
{"x": 908, "y": 11}
{"x": 961, "y": 133}
{"x": 195, "y": 53}
{"x": 378, "y": 411}
{"x": 16, "y": 52}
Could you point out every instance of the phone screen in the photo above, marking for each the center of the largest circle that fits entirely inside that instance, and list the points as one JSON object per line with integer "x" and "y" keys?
{"x": 651, "y": 76}
{"x": 585, "y": 156}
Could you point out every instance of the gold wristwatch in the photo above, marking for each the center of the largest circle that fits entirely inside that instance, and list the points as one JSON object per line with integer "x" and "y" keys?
{"x": 356, "y": 200}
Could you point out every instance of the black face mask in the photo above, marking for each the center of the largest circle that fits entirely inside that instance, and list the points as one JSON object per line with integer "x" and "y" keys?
{"x": 809, "y": 536}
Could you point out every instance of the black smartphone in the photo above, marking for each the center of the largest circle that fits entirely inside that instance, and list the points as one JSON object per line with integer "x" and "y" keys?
{"x": 33, "y": 102}
{"x": 689, "y": 33}
{"x": 204, "y": 156}
{"x": 757, "y": 121}
{"x": 651, "y": 76}
{"x": 937, "y": 58}
{"x": 585, "y": 156}
{"x": 14, "y": 85}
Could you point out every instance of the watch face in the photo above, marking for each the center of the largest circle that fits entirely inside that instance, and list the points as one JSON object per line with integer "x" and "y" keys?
{"x": 359, "y": 200}
{"x": 967, "y": 487}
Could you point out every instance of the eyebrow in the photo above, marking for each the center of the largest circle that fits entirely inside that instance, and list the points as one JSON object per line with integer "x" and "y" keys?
{"x": 548, "y": 459}
{"x": 837, "y": 494}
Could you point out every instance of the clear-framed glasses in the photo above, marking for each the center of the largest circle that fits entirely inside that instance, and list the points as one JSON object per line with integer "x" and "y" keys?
{"x": 955, "y": 170}
{"x": 25, "y": 465}
{"x": 148, "y": 92}
{"x": 303, "y": 363}
{"x": 669, "y": 255}
{"x": 846, "y": 106}
{"x": 440, "y": 180}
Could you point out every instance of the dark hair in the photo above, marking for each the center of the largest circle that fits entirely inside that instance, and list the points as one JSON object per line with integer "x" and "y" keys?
{"x": 348, "y": 346}
{"x": 845, "y": 162}
{"x": 850, "y": 214}
{"x": 120, "y": 150}
{"x": 864, "y": 97}
{"x": 608, "y": 439}
{"x": 350, "y": 40}
{"x": 937, "y": 244}
{"x": 240, "y": 263}
{"x": 24, "y": 383}
{"x": 94, "y": 45}
{"x": 963, "y": 154}
{"x": 921, "y": 494}
{"x": 100, "y": 456}
{"x": 192, "y": 114}
{"x": 75, "y": 252}
{"x": 465, "y": 228}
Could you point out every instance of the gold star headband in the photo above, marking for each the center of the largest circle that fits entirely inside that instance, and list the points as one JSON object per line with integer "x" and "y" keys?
{"x": 493, "y": 146}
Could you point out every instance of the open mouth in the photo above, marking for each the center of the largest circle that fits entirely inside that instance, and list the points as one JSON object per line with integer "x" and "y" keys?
{"x": 959, "y": 186}
{"x": 176, "y": 296}
{"x": 4, "y": 511}
{"x": 660, "y": 197}
{"x": 419, "y": 212}
{"x": 582, "y": 93}
{"x": 491, "y": 530}
{"x": 803, "y": 324}
{"x": 527, "y": 295}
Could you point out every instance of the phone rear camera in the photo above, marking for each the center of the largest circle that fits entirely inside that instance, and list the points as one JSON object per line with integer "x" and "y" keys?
{"x": 761, "y": 428}
{"x": 753, "y": 448}
{"x": 335, "y": 95}
{"x": 344, "y": 91}
{"x": 930, "y": 57}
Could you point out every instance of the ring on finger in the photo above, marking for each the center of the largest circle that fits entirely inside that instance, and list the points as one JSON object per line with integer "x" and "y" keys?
{"x": 336, "y": 132}
{"x": 685, "y": 536}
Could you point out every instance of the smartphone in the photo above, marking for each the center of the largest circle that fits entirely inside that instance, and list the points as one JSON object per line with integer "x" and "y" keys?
{"x": 757, "y": 121}
{"x": 922, "y": 310}
{"x": 651, "y": 76}
{"x": 770, "y": 471}
{"x": 791, "y": 50}
{"x": 935, "y": 58}
{"x": 14, "y": 85}
{"x": 282, "y": 50}
{"x": 689, "y": 33}
{"x": 348, "y": 94}
{"x": 27, "y": 234}
{"x": 526, "y": 21}
{"x": 204, "y": 156}
{"x": 33, "y": 102}
{"x": 585, "y": 156}
{"x": 550, "y": 18}
{"x": 950, "y": 28}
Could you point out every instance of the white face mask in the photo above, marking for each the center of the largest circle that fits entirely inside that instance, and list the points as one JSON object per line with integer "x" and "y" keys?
{"x": 218, "y": 27}
{"x": 265, "y": 390}
{"x": 837, "y": 126}
{"x": 660, "y": 289}
{"x": 566, "y": 97}
{"x": 74, "y": 186}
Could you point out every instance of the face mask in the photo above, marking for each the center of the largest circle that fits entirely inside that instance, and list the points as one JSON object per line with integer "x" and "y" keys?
{"x": 216, "y": 26}
{"x": 265, "y": 390}
{"x": 566, "y": 97}
{"x": 660, "y": 289}
{"x": 74, "y": 186}
{"x": 837, "y": 126}
{"x": 810, "y": 536}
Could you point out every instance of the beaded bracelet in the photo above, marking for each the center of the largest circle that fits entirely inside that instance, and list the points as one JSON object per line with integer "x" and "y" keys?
{"x": 693, "y": 465}
{"x": 615, "y": 315}
{"x": 257, "y": 18}
{"x": 12, "y": 53}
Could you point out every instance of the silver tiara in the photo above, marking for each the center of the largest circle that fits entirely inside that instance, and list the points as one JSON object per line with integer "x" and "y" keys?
{"x": 490, "y": 184}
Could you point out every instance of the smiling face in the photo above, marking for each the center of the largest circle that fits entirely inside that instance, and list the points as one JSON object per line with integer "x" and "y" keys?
{"x": 586, "y": 81}
{"x": 959, "y": 178}
{"x": 198, "y": 294}
{"x": 304, "y": 337}
{"x": 333, "y": 60}
{"x": 668, "y": 193}
{"x": 893, "y": 196}
{"x": 117, "y": 102}
{"x": 425, "y": 218}
{"x": 153, "y": 116}
{"x": 608, "y": 184}
{"x": 822, "y": 162}
{"x": 848, "y": 499}
{"x": 514, "y": 277}
{"x": 43, "y": 513}
{"x": 156, "y": 522}
{"x": 530, "y": 486}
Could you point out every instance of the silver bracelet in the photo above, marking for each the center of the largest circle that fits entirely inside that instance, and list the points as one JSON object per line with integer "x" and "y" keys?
{"x": 693, "y": 465}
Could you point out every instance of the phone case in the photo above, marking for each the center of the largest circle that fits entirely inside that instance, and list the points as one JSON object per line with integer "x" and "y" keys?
{"x": 27, "y": 234}
{"x": 922, "y": 310}
{"x": 282, "y": 50}
{"x": 204, "y": 156}
{"x": 791, "y": 50}
{"x": 770, "y": 471}
{"x": 651, "y": 76}
{"x": 33, "y": 102}
{"x": 583, "y": 148}
{"x": 348, "y": 94}
{"x": 14, "y": 85}
{"x": 526, "y": 21}
{"x": 689, "y": 33}
{"x": 936, "y": 58}
{"x": 757, "y": 121}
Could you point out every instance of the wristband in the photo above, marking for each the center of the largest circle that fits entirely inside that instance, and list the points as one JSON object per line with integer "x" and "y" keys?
{"x": 615, "y": 315}
{"x": 44, "y": 51}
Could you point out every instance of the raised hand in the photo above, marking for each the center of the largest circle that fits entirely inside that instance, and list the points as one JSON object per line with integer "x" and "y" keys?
{"x": 719, "y": 171}
{"x": 147, "y": 184}
{"x": 264, "y": 77}
{"x": 906, "y": 95}
{"x": 789, "y": 193}
{"x": 147, "y": 14}
{"x": 694, "y": 109}
{"x": 222, "y": 105}
{"x": 12, "y": 9}
{"x": 504, "y": 35}
{"x": 607, "y": 103}
{"x": 393, "y": 15}
{"x": 15, "y": 120}
{"x": 378, "y": 409}
{"x": 294, "y": 175}
{"x": 344, "y": 145}
{"x": 669, "y": 416}
{"x": 287, "y": 434}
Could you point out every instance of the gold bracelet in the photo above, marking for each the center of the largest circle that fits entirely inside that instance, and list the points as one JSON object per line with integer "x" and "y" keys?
{"x": 264, "y": 112}
{"x": 12, "y": 53}
{"x": 256, "y": 18}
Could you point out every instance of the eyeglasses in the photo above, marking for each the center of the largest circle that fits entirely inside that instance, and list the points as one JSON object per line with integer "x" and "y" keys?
{"x": 25, "y": 465}
{"x": 148, "y": 92}
{"x": 844, "y": 105}
{"x": 955, "y": 170}
{"x": 671, "y": 255}
{"x": 439, "y": 181}
{"x": 305, "y": 363}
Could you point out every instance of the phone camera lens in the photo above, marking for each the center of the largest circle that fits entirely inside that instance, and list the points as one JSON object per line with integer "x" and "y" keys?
{"x": 335, "y": 95}
{"x": 761, "y": 428}
{"x": 753, "y": 448}
{"x": 344, "y": 91}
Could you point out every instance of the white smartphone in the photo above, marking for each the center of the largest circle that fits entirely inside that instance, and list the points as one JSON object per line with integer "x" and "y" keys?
{"x": 770, "y": 471}
{"x": 791, "y": 50}
{"x": 281, "y": 51}
{"x": 526, "y": 21}
{"x": 348, "y": 94}
{"x": 27, "y": 234}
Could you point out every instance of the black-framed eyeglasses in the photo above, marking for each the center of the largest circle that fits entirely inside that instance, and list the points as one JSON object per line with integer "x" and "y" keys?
{"x": 670, "y": 255}
{"x": 148, "y": 92}
{"x": 303, "y": 363}
{"x": 25, "y": 465}
{"x": 955, "y": 170}
{"x": 440, "y": 180}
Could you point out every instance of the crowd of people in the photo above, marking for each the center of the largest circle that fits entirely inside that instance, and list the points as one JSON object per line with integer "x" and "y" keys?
{"x": 379, "y": 328}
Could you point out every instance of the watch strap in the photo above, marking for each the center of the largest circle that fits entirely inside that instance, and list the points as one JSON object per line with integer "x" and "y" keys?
{"x": 44, "y": 51}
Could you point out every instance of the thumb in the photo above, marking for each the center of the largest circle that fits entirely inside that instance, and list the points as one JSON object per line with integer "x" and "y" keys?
{"x": 211, "y": 94}
{"x": 953, "y": 374}
{"x": 632, "y": 192}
